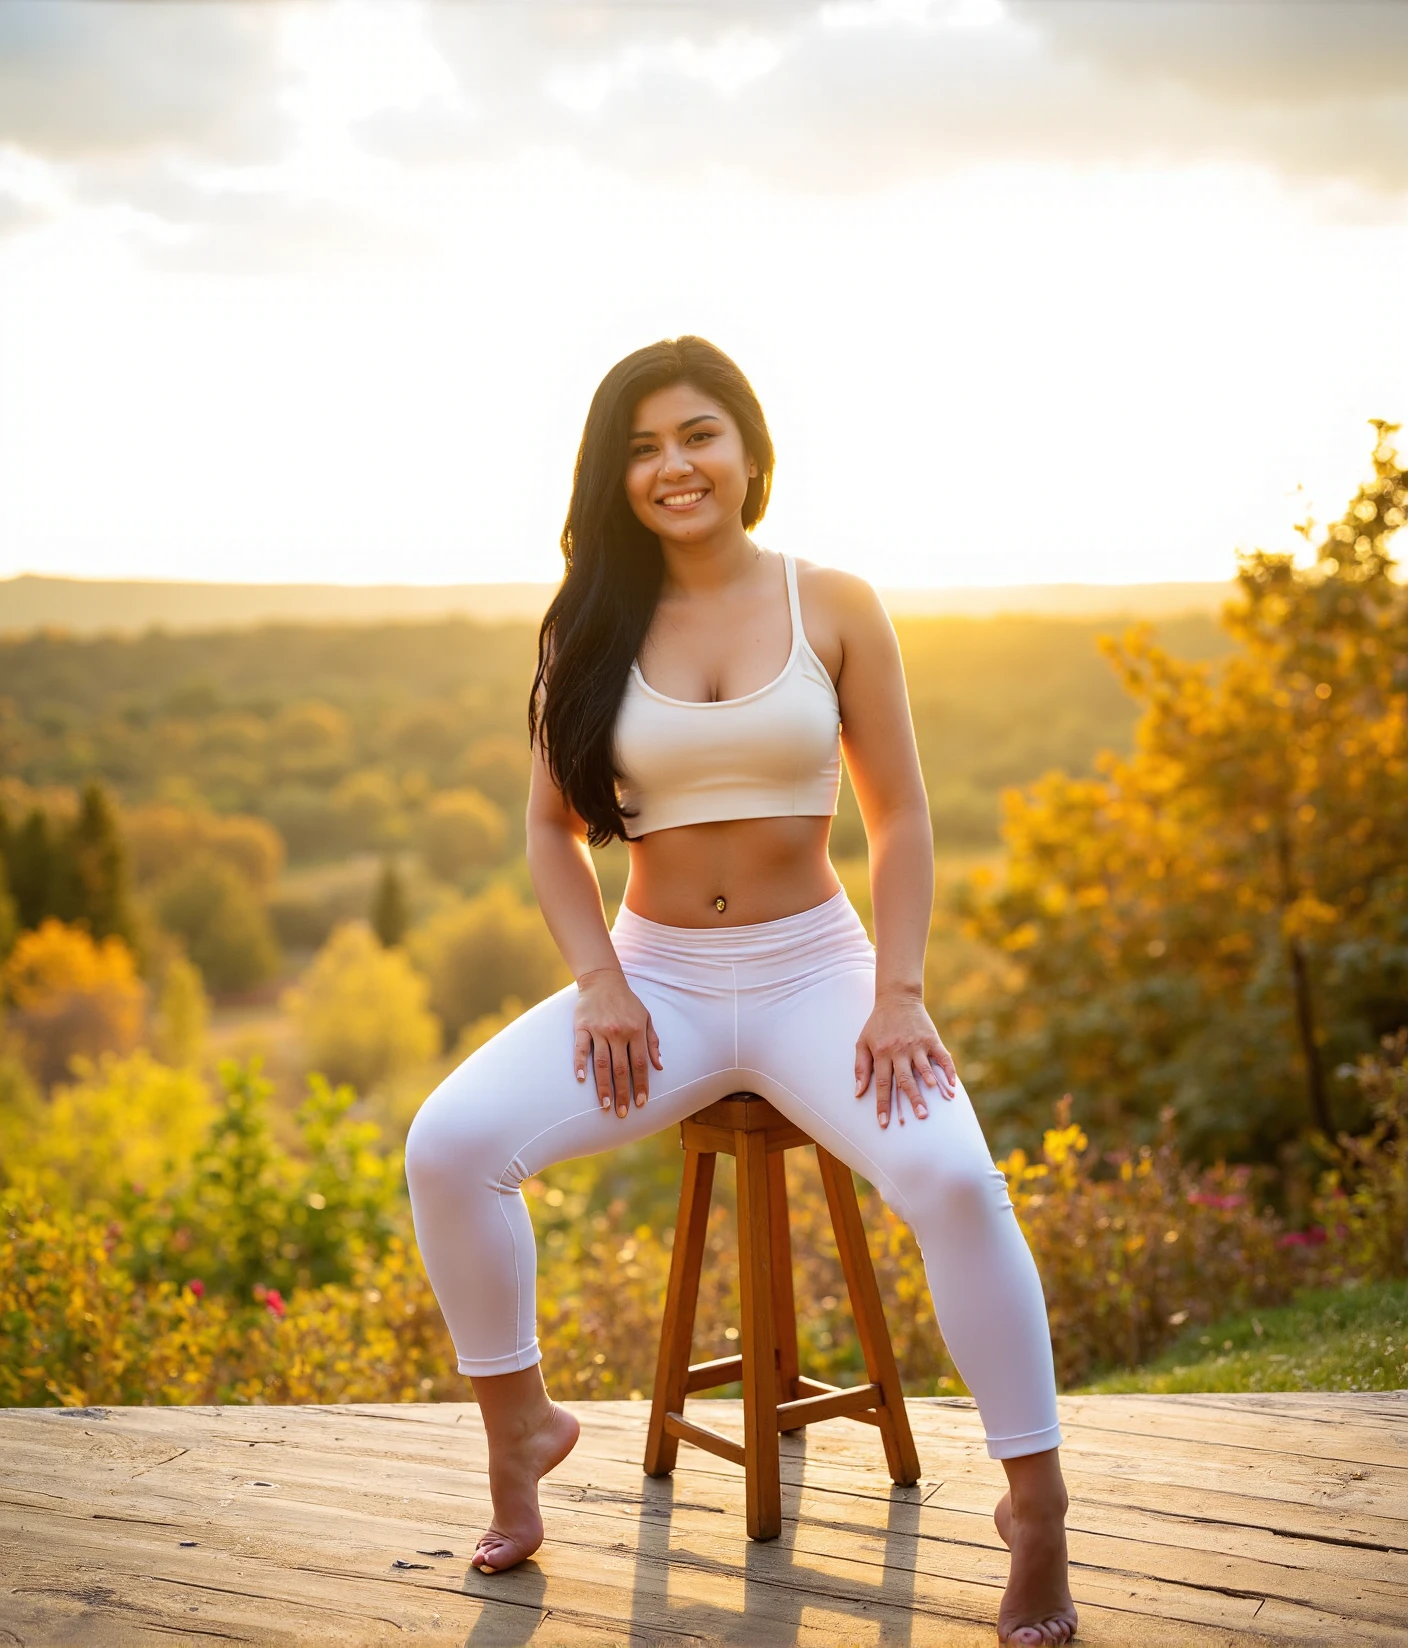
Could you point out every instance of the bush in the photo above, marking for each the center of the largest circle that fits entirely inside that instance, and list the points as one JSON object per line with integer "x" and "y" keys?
{"x": 80, "y": 1330}
{"x": 1363, "y": 1195}
{"x": 247, "y": 1213}
{"x": 1126, "y": 1260}
{"x": 220, "y": 1267}
{"x": 125, "y": 1129}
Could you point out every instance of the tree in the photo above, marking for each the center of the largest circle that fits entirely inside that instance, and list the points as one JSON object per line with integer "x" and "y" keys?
{"x": 164, "y": 836}
{"x": 483, "y": 951}
{"x": 9, "y": 914}
{"x": 32, "y": 870}
{"x": 461, "y": 832}
{"x": 390, "y": 917}
{"x": 94, "y": 873}
{"x": 72, "y": 995}
{"x": 498, "y": 766}
{"x": 209, "y": 904}
{"x": 361, "y": 1010}
{"x": 183, "y": 1012}
{"x": 1220, "y": 920}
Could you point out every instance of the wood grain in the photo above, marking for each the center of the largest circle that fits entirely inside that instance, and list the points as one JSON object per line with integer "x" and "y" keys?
{"x": 1202, "y": 1520}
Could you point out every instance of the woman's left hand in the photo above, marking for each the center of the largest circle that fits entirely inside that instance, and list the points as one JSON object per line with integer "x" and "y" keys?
{"x": 900, "y": 1047}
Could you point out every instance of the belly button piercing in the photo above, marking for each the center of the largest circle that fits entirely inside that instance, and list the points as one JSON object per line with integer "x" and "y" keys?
{"x": 719, "y": 903}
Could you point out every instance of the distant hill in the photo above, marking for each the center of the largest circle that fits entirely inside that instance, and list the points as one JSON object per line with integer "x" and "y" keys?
{"x": 91, "y": 606}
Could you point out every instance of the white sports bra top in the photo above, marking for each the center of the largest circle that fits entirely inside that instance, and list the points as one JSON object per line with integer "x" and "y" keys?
{"x": 774, "y": 753}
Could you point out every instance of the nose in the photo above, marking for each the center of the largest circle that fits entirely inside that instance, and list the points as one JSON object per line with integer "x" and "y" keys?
{"x": 675, "y": 462}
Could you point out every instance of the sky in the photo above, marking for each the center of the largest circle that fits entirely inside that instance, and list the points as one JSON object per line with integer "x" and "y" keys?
{"x": 1031, "y": 290}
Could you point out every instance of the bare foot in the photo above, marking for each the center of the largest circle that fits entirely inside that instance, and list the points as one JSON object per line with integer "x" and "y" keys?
{"x": 514, "y": 1472}
{"x": 1036, "y": 1606}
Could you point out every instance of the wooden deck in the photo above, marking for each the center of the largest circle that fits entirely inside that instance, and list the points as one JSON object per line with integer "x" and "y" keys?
{"x": 1195, "y": 1519}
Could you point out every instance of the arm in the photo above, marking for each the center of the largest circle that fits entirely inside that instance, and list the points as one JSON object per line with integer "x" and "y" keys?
{"x": 899, "y": 1043}
{"x": 613, "y": 1028}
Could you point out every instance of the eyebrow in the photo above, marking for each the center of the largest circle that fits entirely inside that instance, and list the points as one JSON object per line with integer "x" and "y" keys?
{"x": 649, "y": 434}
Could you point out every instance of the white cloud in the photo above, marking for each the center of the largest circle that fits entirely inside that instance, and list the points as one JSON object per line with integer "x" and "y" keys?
{"x": 349, "y": 303}
{"x": 79, "y": 80}
{"x": 310, "y": 106}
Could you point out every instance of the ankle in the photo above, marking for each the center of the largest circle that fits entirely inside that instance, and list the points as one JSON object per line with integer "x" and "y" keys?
{"x": 1040, "y": 1504}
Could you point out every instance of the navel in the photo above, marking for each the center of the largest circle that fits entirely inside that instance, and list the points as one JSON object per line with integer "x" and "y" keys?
{"x": 721, "y": 903}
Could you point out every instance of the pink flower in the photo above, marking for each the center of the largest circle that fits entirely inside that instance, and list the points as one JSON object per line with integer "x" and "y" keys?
{"x": 1206, "y": 1198}
{"x": 1302, "y": 1238}
{"x": 197, "y": 1287}
{"x": 275, "y": 1301}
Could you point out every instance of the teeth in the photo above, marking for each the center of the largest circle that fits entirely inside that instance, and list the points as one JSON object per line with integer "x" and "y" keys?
{"x": 682, "y": 498}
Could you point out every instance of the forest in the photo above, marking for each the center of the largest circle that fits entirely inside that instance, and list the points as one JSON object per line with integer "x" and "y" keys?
{"x": 263, "y": 888}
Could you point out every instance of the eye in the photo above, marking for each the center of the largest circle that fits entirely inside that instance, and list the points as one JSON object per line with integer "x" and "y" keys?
{"x": 702, "y": 435}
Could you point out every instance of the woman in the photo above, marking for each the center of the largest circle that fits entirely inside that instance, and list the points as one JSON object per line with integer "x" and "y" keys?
{"x": 692, "y": 693}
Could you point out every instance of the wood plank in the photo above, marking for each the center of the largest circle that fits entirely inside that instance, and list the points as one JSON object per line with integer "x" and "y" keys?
{"x": 299, "y": 1513}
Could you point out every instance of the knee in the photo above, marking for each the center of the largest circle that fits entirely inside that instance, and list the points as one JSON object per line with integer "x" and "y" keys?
{"x": 957, "y": 1195}
{"x": 456, "y": 1136}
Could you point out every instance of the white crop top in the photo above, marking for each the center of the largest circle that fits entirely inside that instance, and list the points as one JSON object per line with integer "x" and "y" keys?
{"x": 774, "y": 753}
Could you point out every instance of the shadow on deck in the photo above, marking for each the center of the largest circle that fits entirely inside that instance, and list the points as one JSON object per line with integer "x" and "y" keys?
{"x": 1222, "y": 1519}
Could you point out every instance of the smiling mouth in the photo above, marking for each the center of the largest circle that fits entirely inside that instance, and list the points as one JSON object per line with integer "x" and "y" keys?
{"x": 682, "y": 500}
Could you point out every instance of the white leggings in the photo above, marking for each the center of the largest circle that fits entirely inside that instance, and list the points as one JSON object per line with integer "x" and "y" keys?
{"x": 772, "y": 1008}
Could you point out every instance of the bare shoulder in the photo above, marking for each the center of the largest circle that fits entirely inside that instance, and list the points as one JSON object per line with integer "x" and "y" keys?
{"x": 840, "y": 596}
{"x": 846, "y": 603}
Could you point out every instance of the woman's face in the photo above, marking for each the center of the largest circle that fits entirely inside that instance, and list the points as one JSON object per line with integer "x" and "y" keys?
{"x": 687, "y": 469}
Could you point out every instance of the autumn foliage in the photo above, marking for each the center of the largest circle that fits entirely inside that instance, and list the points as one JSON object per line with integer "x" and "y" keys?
{"x": 1218, "y": 922}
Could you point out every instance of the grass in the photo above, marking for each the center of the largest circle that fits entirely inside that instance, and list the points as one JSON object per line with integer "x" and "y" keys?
{"x": 1333, "y": 1339}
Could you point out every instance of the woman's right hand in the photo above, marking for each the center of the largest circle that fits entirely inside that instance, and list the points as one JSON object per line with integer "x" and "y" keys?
{"x": 615, "y": 1038}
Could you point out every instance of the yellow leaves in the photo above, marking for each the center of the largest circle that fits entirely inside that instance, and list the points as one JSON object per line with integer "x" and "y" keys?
{"x": 1022, "y": 938}
{"x": 55, "y": 959}
{"x": 1059, "y": 1142}
{"x": 1307, "y": 916}
{"x": 362, "y": 1009}
{"x": 124, "y": 1121}
{"x": 1239, "y": 942}
{"x": 1054, "y": 899}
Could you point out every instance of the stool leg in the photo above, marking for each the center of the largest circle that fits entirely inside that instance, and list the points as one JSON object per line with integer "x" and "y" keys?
{"x": 784, "y": 1304}
{"x": 760, "y": 1446}
{"x": 681, "y": 1299}
{"x": 900, "y": 1452}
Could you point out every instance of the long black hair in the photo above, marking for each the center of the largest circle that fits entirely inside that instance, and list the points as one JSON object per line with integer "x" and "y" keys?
{"x": 600, "y": 614}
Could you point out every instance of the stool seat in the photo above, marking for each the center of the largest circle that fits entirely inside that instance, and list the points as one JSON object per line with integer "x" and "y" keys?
{"x": 776, "y": 1395}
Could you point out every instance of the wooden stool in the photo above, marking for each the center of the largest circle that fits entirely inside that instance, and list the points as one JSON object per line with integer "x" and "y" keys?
{"x": 776, "y": 1397}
